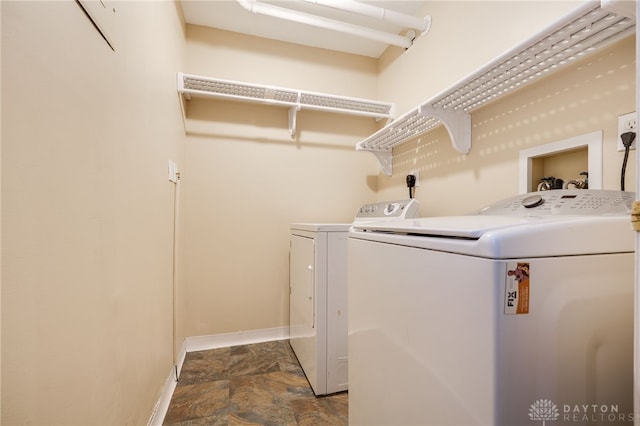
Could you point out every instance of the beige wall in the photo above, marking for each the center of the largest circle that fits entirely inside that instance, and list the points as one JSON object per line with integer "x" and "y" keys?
{"x": 464, "y": 36}
{"x": 582, "y": 99}
{"x": 246, "y": 180}
{"x": 87, "y": 211}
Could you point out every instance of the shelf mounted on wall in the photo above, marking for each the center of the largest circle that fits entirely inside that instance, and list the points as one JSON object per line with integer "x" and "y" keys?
{"x": 295, "y": 100}
{"x": 588, "y": 28}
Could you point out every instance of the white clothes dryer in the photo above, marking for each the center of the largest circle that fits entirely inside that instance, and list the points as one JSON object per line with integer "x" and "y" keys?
{"x": 318, "y": 293}
{"x": 517, "y": 314}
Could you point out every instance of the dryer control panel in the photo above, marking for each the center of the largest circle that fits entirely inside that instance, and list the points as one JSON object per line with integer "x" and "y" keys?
{"x": 386, "y": 210}
{"x": 564, "y": 202}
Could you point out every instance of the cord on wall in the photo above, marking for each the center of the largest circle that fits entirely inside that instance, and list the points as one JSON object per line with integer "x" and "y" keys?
{"x": 627, "y": 140}
{"x": 174, "y": 177}
{"x": 411, "y": 184}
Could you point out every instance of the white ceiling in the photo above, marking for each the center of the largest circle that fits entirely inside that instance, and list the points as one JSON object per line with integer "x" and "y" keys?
{"x": 231, "y": 16}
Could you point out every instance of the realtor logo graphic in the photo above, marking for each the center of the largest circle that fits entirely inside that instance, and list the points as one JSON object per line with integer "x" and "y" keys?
{"x": 544, "y": 409}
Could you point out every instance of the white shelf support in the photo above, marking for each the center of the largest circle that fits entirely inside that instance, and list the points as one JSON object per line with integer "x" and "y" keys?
{"x": 385, "y": 159}
{"x": 293, "y": 118}
{"x": 457, "y": 123}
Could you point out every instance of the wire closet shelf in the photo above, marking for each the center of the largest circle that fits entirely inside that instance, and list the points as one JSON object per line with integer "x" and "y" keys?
{"x": 585, "y": 30}
{"x": 193, "y": 85}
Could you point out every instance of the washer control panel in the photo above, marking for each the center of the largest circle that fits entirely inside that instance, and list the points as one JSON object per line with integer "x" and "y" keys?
{"x": 564, "y": 202}
{"x": 401, "y": 209}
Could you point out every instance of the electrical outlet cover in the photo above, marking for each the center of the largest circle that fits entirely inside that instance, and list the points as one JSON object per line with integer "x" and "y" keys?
{"x": 627, "y": 123}
{"x": 416, "y": 173}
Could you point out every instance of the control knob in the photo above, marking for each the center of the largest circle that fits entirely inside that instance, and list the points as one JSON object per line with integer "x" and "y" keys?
{"x": 532, "y": 201}
{"x": 391, "y": 208}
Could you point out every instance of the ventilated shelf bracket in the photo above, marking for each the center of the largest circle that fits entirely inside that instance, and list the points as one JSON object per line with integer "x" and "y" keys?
{"x": 457, "y": 123}
{"x": 583, "y": 31}
{"x": 293, "y": 118}
{"x": 385, "y": 159}
{"x": 295, "y": 100}
{"x": 415, "y": 123}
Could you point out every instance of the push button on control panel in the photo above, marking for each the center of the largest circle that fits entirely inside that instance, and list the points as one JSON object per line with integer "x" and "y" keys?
{"x": 388, "y": 210}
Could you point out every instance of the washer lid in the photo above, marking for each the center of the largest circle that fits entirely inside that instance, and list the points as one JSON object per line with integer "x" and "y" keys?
{"x": 561, "y": 222}
{"x": 470, "y": 227}
{"x": 505, "y": 237}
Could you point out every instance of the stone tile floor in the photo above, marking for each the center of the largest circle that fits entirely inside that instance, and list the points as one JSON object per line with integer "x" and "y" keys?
{"x": 256, "y": 384}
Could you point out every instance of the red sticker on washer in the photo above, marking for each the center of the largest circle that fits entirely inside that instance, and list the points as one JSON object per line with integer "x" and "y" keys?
{"x": 516, "y": 294}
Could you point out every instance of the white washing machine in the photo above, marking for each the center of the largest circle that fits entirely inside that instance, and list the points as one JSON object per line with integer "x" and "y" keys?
{"x": 318, "y": 294}
{"x": 519, "y": 314}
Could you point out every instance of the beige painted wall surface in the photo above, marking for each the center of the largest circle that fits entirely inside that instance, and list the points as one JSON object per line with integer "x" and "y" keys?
{"x": 246, "y": 180}
{"x": 87, "y": 211}
{"x": 586, "y": 97}
{"x": 464, "y": 36}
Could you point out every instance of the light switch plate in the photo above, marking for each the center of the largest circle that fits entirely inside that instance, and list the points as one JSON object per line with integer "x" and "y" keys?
{"x": 173, "y": 172}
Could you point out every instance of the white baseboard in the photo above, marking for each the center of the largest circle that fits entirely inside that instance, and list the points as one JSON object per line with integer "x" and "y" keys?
{"x": 203, "y": 343}
{"x": 213, "y": 341}
{"x": 160, "y": 410}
